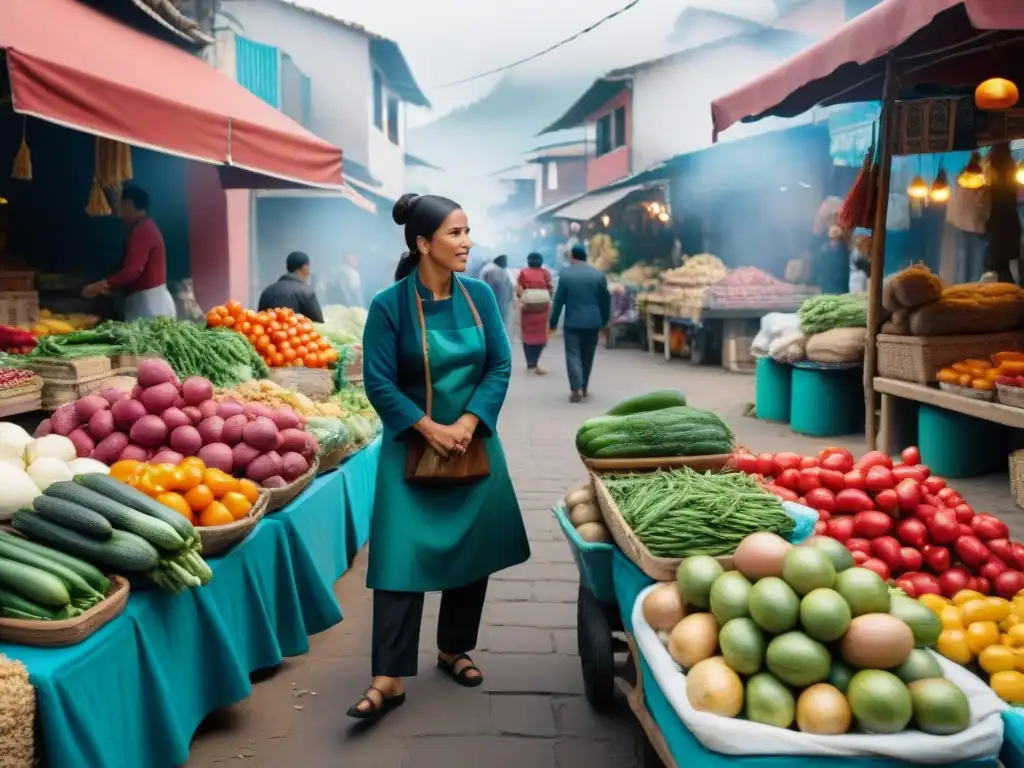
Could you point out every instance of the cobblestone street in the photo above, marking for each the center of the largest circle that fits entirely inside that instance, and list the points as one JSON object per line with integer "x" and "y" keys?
{"x": 530, "y": 711}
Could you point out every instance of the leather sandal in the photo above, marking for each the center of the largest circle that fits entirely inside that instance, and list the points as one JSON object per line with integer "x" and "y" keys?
{"x": 463, "y": 677}
{"x": 375, "y": 711}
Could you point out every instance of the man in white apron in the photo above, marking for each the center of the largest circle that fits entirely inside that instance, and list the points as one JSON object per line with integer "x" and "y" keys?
{"x": 144, "y": 274}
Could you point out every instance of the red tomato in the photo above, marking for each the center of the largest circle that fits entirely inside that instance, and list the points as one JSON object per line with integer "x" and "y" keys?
{"x": 907, "y": 586}
{"x": 992, "y": 569}
{"x": 965, "y": 529}
{"x": 838, "y": 462}
{"x": 952, "y": 580}
{"x": 783, "y": 493}
{"x": 971, "y": 551}
{"x": 925, "y": 470}
{"x": 879, "y": 567}
{"x": 784, "y": 461}
{"x": 810, "y": 478}
{"x": 833, "y": 480}
{"x": 934, "y": 484}
{"x": 909, "y": 493}
{"x": 789, "y": 479}
{"x": 823, "y": 515}
{"x": 835, "y": 450}
{"x": 874, "y": 459}
{"x": 936, "y": 558}
{"x": 987, "y": 527}
{"x": 807, "y": 462}
{"x": 983, "y": 585}
{"x": 943, "y": 528}
{"x": 871, "y": 525}
{"x": 859, "y": 545}
{"x": 1000, "y": 548}
{"x": 903, "y": 472}
{"x": 821, "y": 499}
{"x": 926, "y": 584}
{"x": 879, "y": 478}
{"x": 853, "y": 501}
{"x": 911, "y": 560}
{"x": 820, "y": 527}
{"x": 912, "y": 532}
{"x": 924, "y": 512}
{"x": 1008, "y": 583}
{"x": 840, "y": 527}
{"x": 911, "y": 455}
{"x": 854, "y": 479}
{"x": 964, "y": 514}
{"x": 860, "y": 557}
{"x": 887, "y": 549}
{"x": 887, "y": 501}
{"x": 745, "y": 462}
{"x": 765, "y": 464}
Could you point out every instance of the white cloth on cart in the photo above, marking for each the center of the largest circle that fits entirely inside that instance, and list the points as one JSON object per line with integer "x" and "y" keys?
{"x": 153, "y": 302}
{"x": 729, "y": 736}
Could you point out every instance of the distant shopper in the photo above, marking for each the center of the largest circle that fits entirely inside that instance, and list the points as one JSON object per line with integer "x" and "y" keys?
{"x": 534, "y": 291}
{"x": 495, "y": 275}
{"x": 352, "y": 282}
{"x": 144, "y": 274}
{"x": 293, "y": 291}
{"x": 583, "y": 293}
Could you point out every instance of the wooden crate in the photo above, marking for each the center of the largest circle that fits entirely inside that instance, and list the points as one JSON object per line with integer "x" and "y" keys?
{"x": 738, "y": 336}
{"x": 61, "y": 392}
{"x": 20, "y": 308}
{"x": 20, "y": 281}
{"x": 60, "y": 370}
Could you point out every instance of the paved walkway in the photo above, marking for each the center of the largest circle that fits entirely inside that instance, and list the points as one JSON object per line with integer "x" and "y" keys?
{"x": 530, "y": 712}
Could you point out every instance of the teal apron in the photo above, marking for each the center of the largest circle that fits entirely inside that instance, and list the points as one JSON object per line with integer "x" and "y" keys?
{"x": 429, "y": 539}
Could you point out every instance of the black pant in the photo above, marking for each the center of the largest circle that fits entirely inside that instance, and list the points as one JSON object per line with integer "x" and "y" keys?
{"x": 532, "y": 353}
{"x": 580, "y": 346}
{"x": 396, "y": 626}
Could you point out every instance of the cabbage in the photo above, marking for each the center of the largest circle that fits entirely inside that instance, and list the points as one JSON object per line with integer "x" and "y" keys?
{"x": 50, "y": 447}
{"x": 13, "y": 441}
{"x": 46, "y": 471}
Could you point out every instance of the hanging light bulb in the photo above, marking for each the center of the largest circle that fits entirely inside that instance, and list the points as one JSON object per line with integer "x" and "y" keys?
{"x": 940, "y": 190}
{"x": 1019, "y": 175}
{"x": 917, "y": 190}
{"x": 606, "y": 220}
{"x": 663, "y": 216}
{"x": 972, "y": 176}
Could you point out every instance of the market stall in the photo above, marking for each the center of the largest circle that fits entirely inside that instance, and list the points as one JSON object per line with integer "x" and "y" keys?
{"x": 823, "y": 609}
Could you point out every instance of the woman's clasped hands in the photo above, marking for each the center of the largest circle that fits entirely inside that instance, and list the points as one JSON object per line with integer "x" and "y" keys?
{"x": 451, "y": 438}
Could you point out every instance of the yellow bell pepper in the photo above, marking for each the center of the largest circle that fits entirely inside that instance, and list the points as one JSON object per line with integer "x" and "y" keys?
{"x": 965, "y": 595}
{"x": 1010, "y": 621}
{"x": 952, "y": 644}
{"x": 1008, "y": 686}
{"x": 1014, "y": 636}
{"x": 950, "y": 618}
{"x": 981, "y": 634}
{"x": 998, "y": 658}
{"x": 992, "y": 609}
{"x": 935, "y": 602}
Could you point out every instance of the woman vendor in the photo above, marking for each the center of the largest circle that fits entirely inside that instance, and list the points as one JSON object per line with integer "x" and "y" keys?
{"x": 436, "y": 368}
{"x": 534, "y": 291}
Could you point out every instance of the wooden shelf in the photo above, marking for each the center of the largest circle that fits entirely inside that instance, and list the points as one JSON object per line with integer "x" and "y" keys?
{"x": 978, "y": 409}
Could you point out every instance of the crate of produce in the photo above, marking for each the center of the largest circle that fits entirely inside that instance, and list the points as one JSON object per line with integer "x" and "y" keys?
{"x": 919, "y": 358}
{"x": 22, "y": 395}
{"x": 126, "y": 363}
{"x": 71, "y": 370}
{"x": 61, "y": 392}
{"x": 738, "y": 338}
{"x": 65, "y": 632}
{"x": 23, "y": 281}
{"x": 19, "y": 308}
{"x": 315, "y": 383}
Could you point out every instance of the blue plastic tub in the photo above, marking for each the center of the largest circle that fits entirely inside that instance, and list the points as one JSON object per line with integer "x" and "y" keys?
{"x": 955, "y": 445}
{"x": 772, "y": 390}
{"x": 594, "y": 560}
{"x": 827, "y": 400}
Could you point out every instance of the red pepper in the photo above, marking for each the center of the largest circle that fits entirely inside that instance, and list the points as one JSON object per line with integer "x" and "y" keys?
{"x": 859, "y": 545}
{"x": 821, "y": 499}
{"x": 879, "y": 478}
{"x": 987, "y": 527}
{"x": 936, "y": 558}
{"x": 952, "y": 580}
{"x": 943, "y": 528}
{"x": 854, "y": 480}
{"x": 874, "y": 459}
{"x": 964, "y": 513}
{"x": 971, "y": 551}
{"x": 886, "y": 549}
{"x": 810, "y": 479}
{"x": 784, "y": 461}
{"x": 833, "y": 480}
{"x": 853, "y": 501}
{"x": 15, "y": 337}
{"x": 765, "y": 464}
{"x": 934, "y": 484}
{"x": 871, "y": 525}
{"x": 909, "y": 493}
{"x": 840, "y": 527}
{"x": 789, "y": 479}
{"x": 887, "y": 501}
{"x": 911, "y": 560}
{"x": 911, "y": 455}
{"x": 902, "y": 472}
{"x": 879, "y": 567}
{"x": 912, "y": 532}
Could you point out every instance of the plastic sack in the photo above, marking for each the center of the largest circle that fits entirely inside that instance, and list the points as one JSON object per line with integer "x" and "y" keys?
{"x": 789, "y": 347}
{"x": 772, "y": 325}
{"x": 730, "y": 736}
{"x": 805, "y": 519}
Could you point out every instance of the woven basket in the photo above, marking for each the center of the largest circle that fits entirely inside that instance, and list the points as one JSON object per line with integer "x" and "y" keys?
{"x": 1011, "y": 396}
{"x": 315, "y": 383}
{"x": 332, "y": 460}
{"x": 280, "y": 497}
{"x": 17, "y": 715}
{"x": 59, "y": 634}
{"x": 968, "y": 392}
{"x": 1017, "y": 477}
{"x": 77, "y": 369}
{"x": 714, "y": 463}
{"x": 221, "y": 538}
{"x": 919, "y": 358}
{"x": 658, "y": 568}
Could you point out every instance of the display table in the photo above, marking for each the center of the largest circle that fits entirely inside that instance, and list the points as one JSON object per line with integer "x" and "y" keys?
{"x": 1012, "y": 755}
{"x": 133, "y": 694}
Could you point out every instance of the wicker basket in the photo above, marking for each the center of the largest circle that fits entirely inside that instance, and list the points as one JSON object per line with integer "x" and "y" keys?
{"x": 219, "y": 539}
{"x": 658, "y": 568}
{"x": 280, "y": 497}
{"x": 315, "y": 383}
{"x": 58, "y": 393}
{"x": 331, "y": 461}
{"x": 59, "y": 634}
{"x": 919, "y": 358}
{"x": 1011, "y": 396}
{"x": 56, "y": 369}
{"x": 968, "y": 392}
{"x": 17, "y": 715}
{"x": 714, "y": 463}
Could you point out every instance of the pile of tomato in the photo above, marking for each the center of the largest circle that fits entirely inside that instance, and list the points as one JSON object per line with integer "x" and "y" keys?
{"x": 282, "y": 337}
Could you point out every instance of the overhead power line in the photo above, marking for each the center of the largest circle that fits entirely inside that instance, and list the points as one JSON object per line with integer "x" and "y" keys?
{"x": 544, "y": 52}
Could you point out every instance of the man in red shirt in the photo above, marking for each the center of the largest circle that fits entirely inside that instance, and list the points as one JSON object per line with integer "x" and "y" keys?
{"x": 144, "y": 274}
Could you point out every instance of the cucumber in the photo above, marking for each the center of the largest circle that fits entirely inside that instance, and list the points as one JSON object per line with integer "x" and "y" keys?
{"x": 90, "y": 573}
{"x": 57, "y": 510}
{"x": 77, "y": 586}
{"x": 124, "y": 518}
{"x": 652, "y": 401}
{"x": 38, "y": 586}
{"x": 117, "y": 491}
{"x": 123, "y": 551}
{"x": 14, "y": 606}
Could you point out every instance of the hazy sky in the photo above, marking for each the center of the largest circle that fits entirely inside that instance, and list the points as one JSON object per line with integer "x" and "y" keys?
{"x": 447, "y": 40}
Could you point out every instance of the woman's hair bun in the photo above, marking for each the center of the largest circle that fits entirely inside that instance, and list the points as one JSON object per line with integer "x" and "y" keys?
{"x": 400, "y": 213}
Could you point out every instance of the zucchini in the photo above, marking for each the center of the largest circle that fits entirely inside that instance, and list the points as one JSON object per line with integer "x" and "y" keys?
{"x": 77, "y": 586}
{"x": 36, "y": 585}
{"x": 92, "y": 575}
{"x": 58, "y": 510}
{"x": 133, "y": 499}
{"x": 14, "y": 606}
{"x": 155, "y": 531}
{"x": 652, "y": 401}
{"x": 123, "y": 551}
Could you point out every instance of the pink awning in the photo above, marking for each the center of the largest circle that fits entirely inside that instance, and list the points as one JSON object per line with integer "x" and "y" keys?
{"x": 953, "y": 42}
{"x": 72, "y": 65}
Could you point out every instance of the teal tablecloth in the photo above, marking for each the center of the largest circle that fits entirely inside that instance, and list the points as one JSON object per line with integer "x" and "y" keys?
{"x": 132, "y": 695}
{"x": 688, "y": 752}
{"x": 1013, "y": 739}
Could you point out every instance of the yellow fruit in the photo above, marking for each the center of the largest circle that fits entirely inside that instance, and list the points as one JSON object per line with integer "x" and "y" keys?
{"x": 1010, "y": 621}
{"x": 1008, "y": 686}
{"x": 952, "y": 644}
{"x": 993, "y": 609}
{"x": 964, "y": 595}
{"x": 1014, "y": 636}
{"x": 981, "y": 634}
{"x": 935, "y": 602}
{"x": 950, "y": 618}
{"x": 997, "y": 658}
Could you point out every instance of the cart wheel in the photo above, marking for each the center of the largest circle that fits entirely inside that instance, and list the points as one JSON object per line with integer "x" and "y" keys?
{"x": 597, "y": 658}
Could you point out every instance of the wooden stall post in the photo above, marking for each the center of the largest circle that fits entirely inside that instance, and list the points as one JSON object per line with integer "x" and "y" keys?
{"x": 886, "y": 135}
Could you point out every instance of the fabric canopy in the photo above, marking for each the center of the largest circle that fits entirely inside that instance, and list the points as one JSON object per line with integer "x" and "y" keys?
{"x": 954, "y": 42}
{"x": 591, "y": 205}
{"x": 72, "y": 65}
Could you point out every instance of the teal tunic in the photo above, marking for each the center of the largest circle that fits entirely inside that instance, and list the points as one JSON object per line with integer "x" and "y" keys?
{"x": 432, "y": 539}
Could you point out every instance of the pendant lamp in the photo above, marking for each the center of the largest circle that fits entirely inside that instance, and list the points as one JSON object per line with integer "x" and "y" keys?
{"x": 940, "y": 191}
{"x": 996, "y": 94}
{"x": 918, "y": 189}
{"x": 972, "y": 176}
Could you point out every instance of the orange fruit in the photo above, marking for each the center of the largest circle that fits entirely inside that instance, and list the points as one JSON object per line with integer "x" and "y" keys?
{"x": 193, "y": 461}
{"x": 163, "y": 475}
{"x": 213, "y": 319}
{"x": 228, "y": 321}
{"x": 249, "y": 490}
{"x": 236, "y": 504}
{"x": 219, "y": 482}
{"x": 215, "y": 514}
{"x": 188, "y": 476}
{"x": 125, "y": 470}
{"x": 312, "y": 360}
{"x": 234, "y": 307}
{"x": 199, "y": 498}
{"x": 148, "y": 486}
{"x": 176, "y": 502}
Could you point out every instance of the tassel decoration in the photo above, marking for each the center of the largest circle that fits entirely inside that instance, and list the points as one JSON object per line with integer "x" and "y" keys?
{"x": 23, "y": 160}
{"x": 98, "y": 205}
